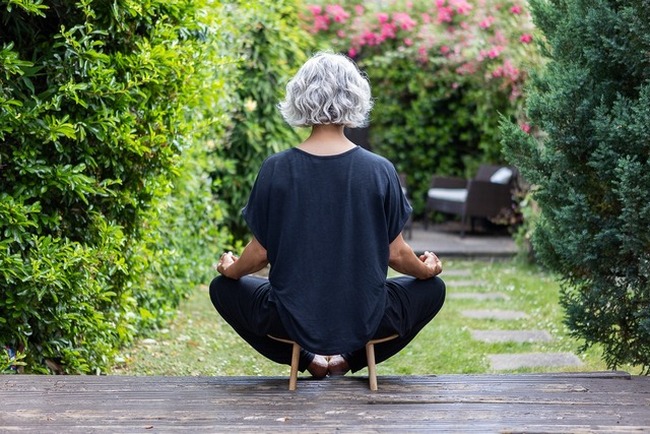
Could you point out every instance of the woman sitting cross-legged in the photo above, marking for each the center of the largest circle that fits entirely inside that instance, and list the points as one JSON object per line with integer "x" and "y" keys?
{"x": 327, "y": 216}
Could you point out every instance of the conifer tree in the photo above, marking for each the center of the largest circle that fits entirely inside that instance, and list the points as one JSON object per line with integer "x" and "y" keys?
{"x": 590, "y": 165}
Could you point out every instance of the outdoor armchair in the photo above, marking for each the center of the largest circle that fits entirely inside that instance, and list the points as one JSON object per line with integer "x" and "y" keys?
{"x": 483, "y": 196}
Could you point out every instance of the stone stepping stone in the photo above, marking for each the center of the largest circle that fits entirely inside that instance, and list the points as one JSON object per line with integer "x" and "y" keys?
{"x": 494, "y": 314}
{"x": 480, "y": 296}
{"x": 459, "y": 283}
{"x": 521, "y": 336}
{"x": 501, "y": 362}
{"x": 456, "y": 273}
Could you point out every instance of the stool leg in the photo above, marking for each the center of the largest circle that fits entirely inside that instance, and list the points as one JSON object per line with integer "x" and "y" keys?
{"x": 295, "y": 359}
{"x": 370, "y": 356}
{"x": 372, "y": 368}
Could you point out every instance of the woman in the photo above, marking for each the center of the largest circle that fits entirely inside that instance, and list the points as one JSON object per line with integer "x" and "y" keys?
{"x": 327, "y": 215}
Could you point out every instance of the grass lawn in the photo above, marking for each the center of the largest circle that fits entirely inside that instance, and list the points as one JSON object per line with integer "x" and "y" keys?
{"x": 199, "y": 342}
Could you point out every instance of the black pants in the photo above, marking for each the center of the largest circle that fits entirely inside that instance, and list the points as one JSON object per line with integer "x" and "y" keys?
{"x": 244, "y": 304}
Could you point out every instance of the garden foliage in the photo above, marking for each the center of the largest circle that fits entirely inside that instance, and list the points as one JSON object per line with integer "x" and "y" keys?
{"x": 441, "y": 72}
{"x": 271, "y": 47}
{"x": 592, "y": 170}
{"x": 102, "y": 177}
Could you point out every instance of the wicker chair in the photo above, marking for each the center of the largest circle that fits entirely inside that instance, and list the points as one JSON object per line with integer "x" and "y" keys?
{"x": 486, "y": 195}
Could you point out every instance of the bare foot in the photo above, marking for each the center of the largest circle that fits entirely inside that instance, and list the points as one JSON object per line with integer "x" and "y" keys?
{"x": 318, "y": 367}
{"x": 338, "y": 366}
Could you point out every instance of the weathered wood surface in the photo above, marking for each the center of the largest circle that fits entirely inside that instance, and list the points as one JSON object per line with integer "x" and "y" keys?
{"x": 554, "y": 403}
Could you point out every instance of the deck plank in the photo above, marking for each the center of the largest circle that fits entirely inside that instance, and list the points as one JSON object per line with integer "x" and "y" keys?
{"x": 553, "y": 403}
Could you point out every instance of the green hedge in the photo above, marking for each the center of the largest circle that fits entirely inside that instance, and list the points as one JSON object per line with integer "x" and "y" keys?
{"x": 591, "y": 169}
{"x": 271, "y": 47}
{"x": 101, "y": 106}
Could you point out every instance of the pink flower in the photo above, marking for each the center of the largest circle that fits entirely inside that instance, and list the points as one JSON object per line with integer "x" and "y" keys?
{"x": 341, "y": 33}
{"x": 337, "y": 13}
{"x": 445, "y": 15}
{"x": 492, "y": 53}
{"x": 526, "y": 38}
{"x": 426, "y": 18}
{"x": 408, "y": 42}
{"x": 388, "y": 31}
{"x": 495, "y": 51}
{"x": 462, "y": 7}
{"x": 321, "y": 22}
{"x": 445, "y": 49}
{"x": 404, "y": 20}
{"x": 359, "y": 10}
{"x": 486, "y": 23}
{"x": 525, "y": 127}
{"x": 369, "y": 38}
{"x": 315, "y": 9}
{"x": 352, "y": 52}
{"x": 468, "y": 68}
{"x": 500, "y": 38}
{"x": 440, "y": 3}
{"x": 382, "y": 17}
{"x": 422, "y": 54}
{"x": 507, "y": 71}
{"x": 510, "y": 71}
{"x": 516, "y": 9}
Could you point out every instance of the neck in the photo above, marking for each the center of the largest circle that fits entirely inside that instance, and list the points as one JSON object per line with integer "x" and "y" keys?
{"x": 327, "y": 140}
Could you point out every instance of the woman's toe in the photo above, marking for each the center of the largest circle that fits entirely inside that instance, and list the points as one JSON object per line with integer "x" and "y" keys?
{"x": 318, "y": 367}
{"x": 338, "y": 366}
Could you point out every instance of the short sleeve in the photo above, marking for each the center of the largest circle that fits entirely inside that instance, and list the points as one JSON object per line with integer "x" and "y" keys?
{"x": 396, "y": 206}
{"x": 255, "y": 212}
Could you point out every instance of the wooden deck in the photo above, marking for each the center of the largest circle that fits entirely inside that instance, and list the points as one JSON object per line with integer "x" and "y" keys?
{"x": 542, "y": 403}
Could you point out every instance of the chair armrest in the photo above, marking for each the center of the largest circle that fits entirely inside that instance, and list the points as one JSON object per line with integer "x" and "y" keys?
{"x": 448, "y": 182}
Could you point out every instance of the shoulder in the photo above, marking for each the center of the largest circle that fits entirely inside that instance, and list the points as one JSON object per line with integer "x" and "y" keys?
{"x": 378, "y": 163}
{"x": 278, "y": 157}
{"x": 373, "y": 158}
{"x": 276, "y": 161}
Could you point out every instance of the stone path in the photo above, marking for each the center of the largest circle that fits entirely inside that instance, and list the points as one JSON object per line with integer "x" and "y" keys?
{"x": 512, "y": 361}
{"x": 520, "y": 336}
{"x": 497, "y": 314}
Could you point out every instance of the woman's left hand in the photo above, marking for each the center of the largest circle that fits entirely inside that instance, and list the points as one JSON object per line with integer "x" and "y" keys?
{"x": 432, "y": 262}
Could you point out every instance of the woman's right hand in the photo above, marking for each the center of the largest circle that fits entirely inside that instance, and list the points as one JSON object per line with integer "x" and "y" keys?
{"x": 225, "y": 261}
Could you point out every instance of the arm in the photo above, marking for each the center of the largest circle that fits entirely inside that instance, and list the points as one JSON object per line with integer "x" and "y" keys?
{"x": 252, "y": 259}
{"x": 403, "y": 260}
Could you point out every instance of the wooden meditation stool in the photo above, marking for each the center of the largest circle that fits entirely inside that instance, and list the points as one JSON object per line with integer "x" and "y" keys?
{"x": 370, "y": 355}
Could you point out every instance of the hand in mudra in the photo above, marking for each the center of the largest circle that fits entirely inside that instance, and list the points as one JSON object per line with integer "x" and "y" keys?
{"x": 432, "y": 261}
{"x": 225, "y": 261}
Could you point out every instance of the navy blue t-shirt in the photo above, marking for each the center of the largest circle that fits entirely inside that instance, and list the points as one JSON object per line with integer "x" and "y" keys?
{"x": 326, "y": 223}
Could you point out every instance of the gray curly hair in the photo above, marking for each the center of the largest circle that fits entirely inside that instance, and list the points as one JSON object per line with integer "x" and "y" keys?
{"x": 328, "y": 89}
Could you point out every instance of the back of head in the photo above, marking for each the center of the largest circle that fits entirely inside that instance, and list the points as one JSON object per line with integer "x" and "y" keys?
{"x": 328, "y": 89}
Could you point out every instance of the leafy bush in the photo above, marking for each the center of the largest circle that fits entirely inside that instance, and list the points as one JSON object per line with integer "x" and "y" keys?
{"x": 591, "y": 168}
{"x": 97, "y": 104}
{"x": 272, "y": 47}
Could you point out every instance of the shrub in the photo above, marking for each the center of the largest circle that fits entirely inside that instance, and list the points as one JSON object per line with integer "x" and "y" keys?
{"x": 97, "y": 105}
{"x": 591, "y": 168}
{"x": 271, "y": 47}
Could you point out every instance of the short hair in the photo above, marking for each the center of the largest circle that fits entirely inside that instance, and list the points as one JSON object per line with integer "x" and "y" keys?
{"x": 328, "y": 89}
